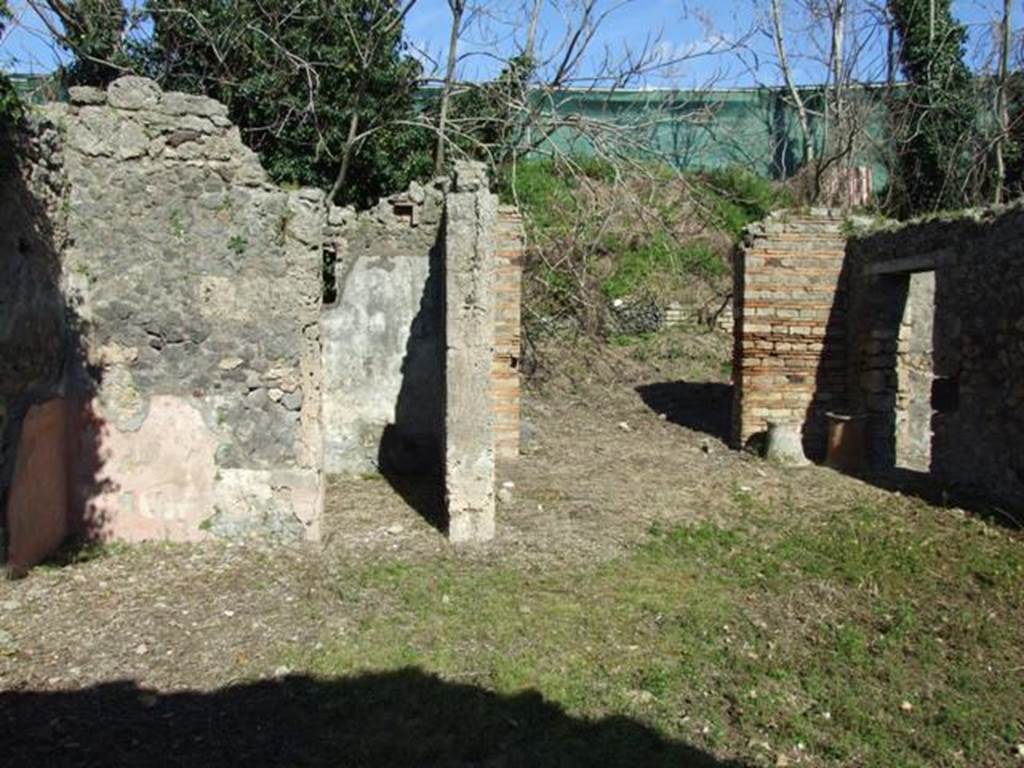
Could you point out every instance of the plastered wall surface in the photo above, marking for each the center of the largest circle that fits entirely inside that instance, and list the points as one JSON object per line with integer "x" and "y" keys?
{"x": 162, "y": 295}
{"x": 190, "y": 288}
{"x": 383, "y": 351}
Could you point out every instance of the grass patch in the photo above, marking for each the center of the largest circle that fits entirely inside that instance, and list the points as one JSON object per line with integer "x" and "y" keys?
{"x": 649, "y": 263}
{"x": 857, "y": 636}
{"x": 737, "y": 198}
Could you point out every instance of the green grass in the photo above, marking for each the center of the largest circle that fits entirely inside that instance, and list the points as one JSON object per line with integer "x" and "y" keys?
{"x": 658, "y": 259}
{"x": 865, "y": 636}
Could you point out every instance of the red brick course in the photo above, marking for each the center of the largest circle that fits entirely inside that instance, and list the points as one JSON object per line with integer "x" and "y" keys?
{"x": 789, "y": 340}
{"x": 505, "y": 369}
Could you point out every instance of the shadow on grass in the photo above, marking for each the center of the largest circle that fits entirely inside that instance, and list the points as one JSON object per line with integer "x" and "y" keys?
{"x": 701, "y": 406}
{"x": 403, "y": 718}
{"x": 977, "y": 500}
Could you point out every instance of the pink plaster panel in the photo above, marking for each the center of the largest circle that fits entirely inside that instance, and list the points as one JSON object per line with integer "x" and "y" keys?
{"x": 37, "y": 504}
{"x": 153, "y": 483}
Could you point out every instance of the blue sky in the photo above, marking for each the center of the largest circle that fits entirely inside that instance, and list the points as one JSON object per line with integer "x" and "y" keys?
{"x": 678, "y": 26}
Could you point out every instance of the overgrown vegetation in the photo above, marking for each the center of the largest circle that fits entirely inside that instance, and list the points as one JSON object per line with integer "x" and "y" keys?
{"x": 941, "y": 109}
{"x": 318, "y": 93}
{"x": 10, "y": 104}
{"x": 602, "y": 235}
{"x": 93, "y": 32}
{"x": 324, "y": 91}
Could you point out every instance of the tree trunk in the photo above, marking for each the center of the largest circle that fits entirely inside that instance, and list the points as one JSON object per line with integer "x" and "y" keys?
{"x": 787, "y": 75}
{"x": 531, "y": 34}
{"x": 1002, "y": 113}
{"x": 457, "y": 6}
{"x": 350, "y": 145}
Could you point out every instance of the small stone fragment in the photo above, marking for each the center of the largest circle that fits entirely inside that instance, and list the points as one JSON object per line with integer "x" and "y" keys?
{"x": 293, "y": 400}
{"x": 8, "y": 645}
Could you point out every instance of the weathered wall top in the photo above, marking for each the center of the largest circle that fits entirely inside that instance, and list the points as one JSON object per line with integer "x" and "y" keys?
{"x": 134, "y": 119}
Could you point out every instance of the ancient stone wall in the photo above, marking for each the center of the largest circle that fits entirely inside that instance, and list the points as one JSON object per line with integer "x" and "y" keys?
{"x": 789, "y": 305}
{"x": 383, "y": 352}
{"x": 195, "y": 288}
{"x": 915, "y": 327}
{"x": 162, "y": 312}
{"x": 937, "y": 321}
{"x": 31, "y": 306}
{"x": 471, "y": 242}
{"x": 384, "y": 336}
{"x": 35, "y": 325}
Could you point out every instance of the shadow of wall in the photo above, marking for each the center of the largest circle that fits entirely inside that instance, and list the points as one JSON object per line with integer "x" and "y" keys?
{"x": 410, "y": 454}
{"x": 403, "y": 718}
{"x": 703, "y": 406}
{"x": 831, "y": 377}
{"x": 411, "y": 445}
{"x": 383, "y": 344}
{"x": 44, "y": 374}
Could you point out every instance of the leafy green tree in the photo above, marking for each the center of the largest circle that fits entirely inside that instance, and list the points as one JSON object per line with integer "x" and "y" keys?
{"x": 941, "y": 109}
{"x": 10, "y": 104}
{"x": 323, "y": 89}
{"x": 95, "y": 33}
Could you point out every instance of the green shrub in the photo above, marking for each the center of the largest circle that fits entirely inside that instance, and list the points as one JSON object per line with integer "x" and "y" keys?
{"x": 737, "y": 197}
{"x": 544, "y": 194}
{"x": 659, "y": 262}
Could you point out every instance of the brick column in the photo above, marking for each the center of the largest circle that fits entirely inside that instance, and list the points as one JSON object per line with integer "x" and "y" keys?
{"x": 508, "y": 292}
{"x": 790, "y": 352}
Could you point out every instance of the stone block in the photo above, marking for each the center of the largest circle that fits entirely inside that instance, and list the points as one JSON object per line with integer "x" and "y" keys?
{"x": 132, "y": 92}
{"x": 86, "y": 94}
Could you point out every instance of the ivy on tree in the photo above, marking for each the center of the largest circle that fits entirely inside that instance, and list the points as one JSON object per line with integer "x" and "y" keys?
{"x": 941, "y": 104}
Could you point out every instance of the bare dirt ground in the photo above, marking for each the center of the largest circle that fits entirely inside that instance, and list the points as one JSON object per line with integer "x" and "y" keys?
{"x": 616, "y": 445}
{"x": 605, "y": 459}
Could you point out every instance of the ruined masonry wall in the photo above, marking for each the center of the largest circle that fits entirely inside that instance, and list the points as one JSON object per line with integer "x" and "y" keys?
{"x": 971, "y": 271}
{"x": 470, "y": 279}
{"x": 197, "y": 286}
{"x": 32, "y": 317}
{"x": 163, "y": 299}
{"x": 789, "y": 335}
{"x": 383, "y": 338}
{"x": 507, "y": 352}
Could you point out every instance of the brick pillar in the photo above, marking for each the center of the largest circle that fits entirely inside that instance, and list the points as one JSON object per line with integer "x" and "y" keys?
{"x": 789, "y": 359}
{"x": 470, "y": 243}
{"x": 508, "y": 292}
